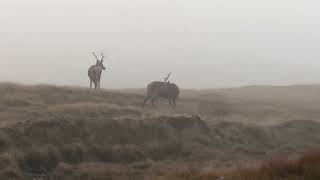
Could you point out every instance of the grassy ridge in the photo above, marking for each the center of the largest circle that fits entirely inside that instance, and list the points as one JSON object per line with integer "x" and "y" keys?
{"x": 80, "y": 134}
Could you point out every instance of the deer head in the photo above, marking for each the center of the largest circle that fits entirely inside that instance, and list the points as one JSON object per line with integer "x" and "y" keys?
{"x": 99, "y": 63}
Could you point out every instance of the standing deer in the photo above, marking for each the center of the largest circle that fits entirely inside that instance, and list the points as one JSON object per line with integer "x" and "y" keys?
{"x": 165, "y": 90}
{"x": 95, "y": 71}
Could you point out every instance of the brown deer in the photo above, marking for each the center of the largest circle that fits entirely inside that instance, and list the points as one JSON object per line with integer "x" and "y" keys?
{"x": 165, "y": 90}
{"x": 95, "y": 71}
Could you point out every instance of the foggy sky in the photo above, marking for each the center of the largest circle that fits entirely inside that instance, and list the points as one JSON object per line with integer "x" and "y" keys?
{"x": 205, "y": 44}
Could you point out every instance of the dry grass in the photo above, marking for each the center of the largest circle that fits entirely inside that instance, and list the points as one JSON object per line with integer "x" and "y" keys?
{"x": 108, "y": 134}
{"x": 305, "y": 167}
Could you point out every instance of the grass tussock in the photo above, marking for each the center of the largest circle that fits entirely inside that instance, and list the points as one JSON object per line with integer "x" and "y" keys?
{"x": 305, "y": 167}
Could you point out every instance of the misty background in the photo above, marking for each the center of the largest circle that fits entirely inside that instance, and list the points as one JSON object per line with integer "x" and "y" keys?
{"x": 205, "y": 44}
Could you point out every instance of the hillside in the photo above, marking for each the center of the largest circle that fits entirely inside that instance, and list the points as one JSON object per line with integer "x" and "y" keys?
{"x": 76, "y": 133}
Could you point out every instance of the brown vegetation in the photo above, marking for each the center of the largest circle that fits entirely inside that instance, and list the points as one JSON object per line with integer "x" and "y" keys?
{"x": 304, "y": 167}
{"x": 80, "y": 134}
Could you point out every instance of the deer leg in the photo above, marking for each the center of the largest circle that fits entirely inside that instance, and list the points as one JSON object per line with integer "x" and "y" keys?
{"x": 174, "y": 103}
{"x": 99, "y": 78}
{"x": 170, "y": 102}
{"x": 95, "y": 84}
{"x": 90, "y": 83}
{"x": 146, "y": 100}
{"x": 152, "y": 101}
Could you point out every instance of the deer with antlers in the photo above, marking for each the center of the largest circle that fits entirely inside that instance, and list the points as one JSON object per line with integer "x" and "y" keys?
{"x": 95, "y": 71}
{"x": 163, "y": 89}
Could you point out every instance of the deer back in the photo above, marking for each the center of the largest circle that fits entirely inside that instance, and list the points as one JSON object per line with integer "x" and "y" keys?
{"x": 163, "y": 89}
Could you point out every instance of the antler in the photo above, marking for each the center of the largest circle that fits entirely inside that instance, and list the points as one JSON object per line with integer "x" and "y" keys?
{"x": 102, "y": 56}
{"x": 95, "y": 56}
{"x": 166, "y": 78}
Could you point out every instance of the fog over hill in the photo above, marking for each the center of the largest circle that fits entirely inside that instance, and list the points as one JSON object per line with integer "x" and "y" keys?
{"x": 247, "y": 74}
{"x": 205, "y": 44}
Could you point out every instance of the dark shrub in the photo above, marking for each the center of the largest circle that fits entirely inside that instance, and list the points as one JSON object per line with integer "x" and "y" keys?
{"x": 11, "y": 174}
{"x": 40, "y": 160}
{"x": 116, "y": 154}
{"x": 166, "y": 150}
{"x": 73, "y": 153}
{"x": 5, "y": 141}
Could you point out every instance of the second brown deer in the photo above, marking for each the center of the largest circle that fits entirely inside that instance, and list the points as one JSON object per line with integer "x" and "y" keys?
{"x": 165, "y": 90}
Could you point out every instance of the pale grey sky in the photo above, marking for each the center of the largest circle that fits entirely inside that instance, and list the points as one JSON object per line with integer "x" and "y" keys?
{"x": 205, "y": 44}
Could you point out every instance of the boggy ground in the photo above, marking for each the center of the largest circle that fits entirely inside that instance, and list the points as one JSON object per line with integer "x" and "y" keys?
{"x": 79, "y": 134}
